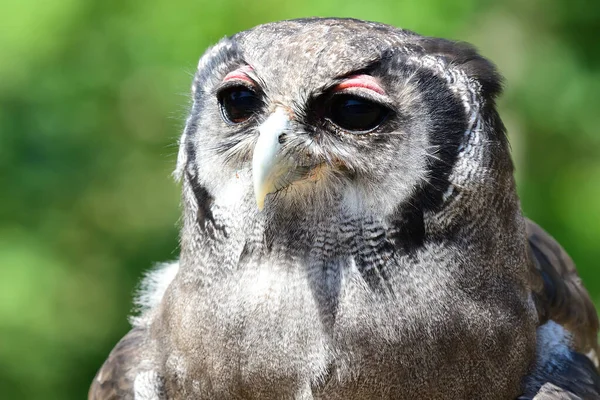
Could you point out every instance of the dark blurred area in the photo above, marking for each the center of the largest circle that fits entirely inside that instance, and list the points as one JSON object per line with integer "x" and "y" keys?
{"x": 93, "y": 95}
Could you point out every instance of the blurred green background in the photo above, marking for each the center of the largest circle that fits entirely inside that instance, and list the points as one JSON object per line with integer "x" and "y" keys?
{"x": 93, "y": 95}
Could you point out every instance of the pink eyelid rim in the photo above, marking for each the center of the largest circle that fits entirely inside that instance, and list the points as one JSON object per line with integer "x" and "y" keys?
{"x": 240, "y": 74}
{"x": 354, "y": 81}
{"x": 360, "y": 81}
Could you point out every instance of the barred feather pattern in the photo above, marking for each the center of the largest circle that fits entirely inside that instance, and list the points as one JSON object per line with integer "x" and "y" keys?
{"x": 404, "y": 271}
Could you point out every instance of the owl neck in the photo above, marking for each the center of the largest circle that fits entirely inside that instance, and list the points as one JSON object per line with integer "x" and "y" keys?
{"x": 479, "y": 216}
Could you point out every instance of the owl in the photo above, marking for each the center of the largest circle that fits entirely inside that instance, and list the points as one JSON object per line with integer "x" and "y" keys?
{"x": 351, "y": 230}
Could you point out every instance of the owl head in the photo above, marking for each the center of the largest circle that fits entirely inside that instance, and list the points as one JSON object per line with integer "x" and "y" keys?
{"x": 339, "y": 115}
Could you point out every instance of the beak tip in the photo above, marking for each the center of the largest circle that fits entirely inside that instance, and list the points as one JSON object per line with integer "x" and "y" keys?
{"x": 260, "y": 202}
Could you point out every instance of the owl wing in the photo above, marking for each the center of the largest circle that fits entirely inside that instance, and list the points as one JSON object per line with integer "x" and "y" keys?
{"x": 116, "y": 379}
{"x": 559, "y": 293}
{"x": 567, "y": 376}
{"x": 560, "y": 296}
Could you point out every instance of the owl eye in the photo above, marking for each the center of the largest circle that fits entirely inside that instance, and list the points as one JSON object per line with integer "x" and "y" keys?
{"x": 238, "y": 103}
{"x": 356, "y": 114}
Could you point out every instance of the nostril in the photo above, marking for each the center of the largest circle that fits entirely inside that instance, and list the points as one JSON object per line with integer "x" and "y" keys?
{"x": 281, "y": 139}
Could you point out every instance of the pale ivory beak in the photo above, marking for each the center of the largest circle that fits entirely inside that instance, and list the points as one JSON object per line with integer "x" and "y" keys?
{"x": 267, "y": 165}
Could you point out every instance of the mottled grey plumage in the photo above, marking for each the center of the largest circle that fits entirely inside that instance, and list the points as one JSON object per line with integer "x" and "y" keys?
{"x": 394, "y": 264}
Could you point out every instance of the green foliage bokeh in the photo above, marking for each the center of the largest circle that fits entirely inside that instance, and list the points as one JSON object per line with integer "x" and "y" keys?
{"x": 93, "y": 95}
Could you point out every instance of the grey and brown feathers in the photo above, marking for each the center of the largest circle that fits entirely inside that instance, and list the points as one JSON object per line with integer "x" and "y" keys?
{"x": 559, "y": 293}
{"x": 129, "y": 371}
{"x": 390, "y": 261}
{"x": 550, "y": 267}
{"x": 561, "y": 298}
{"x": 115, "y": 380}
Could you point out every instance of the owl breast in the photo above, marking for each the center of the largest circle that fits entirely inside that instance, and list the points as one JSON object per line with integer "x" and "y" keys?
{"x": 283, "y": 330}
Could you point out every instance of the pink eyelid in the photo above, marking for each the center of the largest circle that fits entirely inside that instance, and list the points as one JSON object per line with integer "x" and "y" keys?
{"x": 240, "y": 74}
{"x": 360, "y": 81}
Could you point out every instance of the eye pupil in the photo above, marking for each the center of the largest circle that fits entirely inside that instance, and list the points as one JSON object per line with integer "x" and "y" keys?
{"x": 356, "y": 114}
{"x": 238, "y": 103}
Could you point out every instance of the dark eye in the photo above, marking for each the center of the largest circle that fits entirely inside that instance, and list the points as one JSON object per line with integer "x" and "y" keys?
{"x": 353, "y": 113}
{"x": 238, "y": 103}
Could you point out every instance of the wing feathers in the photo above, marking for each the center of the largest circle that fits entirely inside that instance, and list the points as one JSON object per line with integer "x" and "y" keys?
{"x": 558, "y": 291}
{"x": 116, "y": 378}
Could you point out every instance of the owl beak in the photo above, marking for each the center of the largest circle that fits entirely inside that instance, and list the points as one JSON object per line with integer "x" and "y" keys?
{"x": 268, "y": 167}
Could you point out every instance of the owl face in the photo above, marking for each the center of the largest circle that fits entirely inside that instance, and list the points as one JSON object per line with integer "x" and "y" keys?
{"x": 320, "y": 112}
